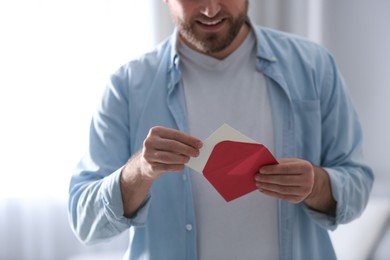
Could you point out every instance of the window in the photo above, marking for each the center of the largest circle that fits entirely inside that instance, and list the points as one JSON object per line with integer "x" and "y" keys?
{"x": 56, "y": 56}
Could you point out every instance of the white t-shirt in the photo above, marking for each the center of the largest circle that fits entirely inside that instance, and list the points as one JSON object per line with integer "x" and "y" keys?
{"x": 230, "y": 91}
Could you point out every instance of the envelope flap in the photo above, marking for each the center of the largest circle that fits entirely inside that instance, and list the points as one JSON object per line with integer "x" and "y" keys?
{"x": 254, "y": 162}
{"x": 228, "y": 154}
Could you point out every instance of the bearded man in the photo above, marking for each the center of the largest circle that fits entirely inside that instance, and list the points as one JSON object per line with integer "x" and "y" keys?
{"x": 218, "y": 67}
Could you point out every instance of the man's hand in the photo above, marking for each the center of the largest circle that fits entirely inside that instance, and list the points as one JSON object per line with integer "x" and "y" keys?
{"x": 296, "y": 181}
{"x": 291, "y": 180}
{"x": 164, "y": 149}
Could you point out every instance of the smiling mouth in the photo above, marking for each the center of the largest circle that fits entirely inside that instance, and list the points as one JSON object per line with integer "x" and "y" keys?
{"x": 211, "y": 26}
{"x": 211, "y": 23}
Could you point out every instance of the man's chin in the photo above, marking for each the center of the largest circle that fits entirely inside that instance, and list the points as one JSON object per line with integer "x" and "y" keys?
{"x": 212, "y": 42}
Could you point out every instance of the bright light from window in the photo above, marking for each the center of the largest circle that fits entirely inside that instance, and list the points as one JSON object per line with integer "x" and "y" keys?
{"x": 55, "y": 58}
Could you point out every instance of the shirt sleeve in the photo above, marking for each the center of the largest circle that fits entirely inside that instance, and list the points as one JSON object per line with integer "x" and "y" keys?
{"x": 95, "y": 200}
{"x": 351, "y": 178}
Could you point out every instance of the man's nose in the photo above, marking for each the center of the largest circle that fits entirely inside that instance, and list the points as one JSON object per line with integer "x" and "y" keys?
{"x": 210, "y": 8}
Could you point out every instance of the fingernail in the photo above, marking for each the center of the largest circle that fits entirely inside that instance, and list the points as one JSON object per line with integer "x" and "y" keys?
{"x": 197, "y": 153}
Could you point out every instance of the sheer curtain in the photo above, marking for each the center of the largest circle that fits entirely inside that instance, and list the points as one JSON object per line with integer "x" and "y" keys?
{"x": 55, "y": 57}
{"x": 302, "y": 17}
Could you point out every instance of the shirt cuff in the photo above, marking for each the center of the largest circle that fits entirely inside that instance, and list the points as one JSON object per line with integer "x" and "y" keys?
{"x": 337, "y": 187}
{"x": 113, "y": 205}
{"x": 322, "y": 219}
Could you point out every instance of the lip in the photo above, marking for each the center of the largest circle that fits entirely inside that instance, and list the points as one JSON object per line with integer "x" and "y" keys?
{"x": 212, "y": 25}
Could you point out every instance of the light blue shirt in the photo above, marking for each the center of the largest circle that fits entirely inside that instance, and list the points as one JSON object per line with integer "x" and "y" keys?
{"x": 314, "y": 119}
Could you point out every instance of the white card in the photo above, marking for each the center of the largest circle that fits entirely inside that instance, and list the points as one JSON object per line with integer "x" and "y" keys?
{"x": 223, "y": 133}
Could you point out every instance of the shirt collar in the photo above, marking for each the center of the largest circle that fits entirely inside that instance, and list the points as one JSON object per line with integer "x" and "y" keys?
{"x": 264, "y": 51}
{"x": 174, "y": 55}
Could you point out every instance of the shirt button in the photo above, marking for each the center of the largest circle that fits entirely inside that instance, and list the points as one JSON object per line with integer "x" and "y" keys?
{"x": 189, "y": 227}
{"x": 184, "y": 177}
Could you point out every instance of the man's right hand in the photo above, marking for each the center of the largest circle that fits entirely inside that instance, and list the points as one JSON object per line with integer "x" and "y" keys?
{"x": 167, "y": 150}
{"x": 164, "y": 150}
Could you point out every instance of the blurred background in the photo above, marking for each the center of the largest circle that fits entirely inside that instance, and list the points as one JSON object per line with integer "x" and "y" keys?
{"x": 56, "y": 56}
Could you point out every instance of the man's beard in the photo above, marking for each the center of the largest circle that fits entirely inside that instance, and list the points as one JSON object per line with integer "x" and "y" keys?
{"x": 212, "y": 42}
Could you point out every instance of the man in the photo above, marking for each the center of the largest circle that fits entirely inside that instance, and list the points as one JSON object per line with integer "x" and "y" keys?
{"x": 217, "y": 67}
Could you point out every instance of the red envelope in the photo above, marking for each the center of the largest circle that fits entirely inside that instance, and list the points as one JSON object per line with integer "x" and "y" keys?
{"x": 232, "y": 166}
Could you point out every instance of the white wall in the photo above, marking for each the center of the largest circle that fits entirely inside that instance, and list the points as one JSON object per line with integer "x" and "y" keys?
{"x": 289, "y": 16}
{"x": 357, "y": 33}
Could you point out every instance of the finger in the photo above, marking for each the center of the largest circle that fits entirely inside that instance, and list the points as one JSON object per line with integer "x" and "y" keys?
{"x": 176, "y": 147}
{"x": 280, "y": 189}
{"x": 173, "y": 134}
{"x": 164, "y": 157}
{"x": 287, "y": 166}
{"x": 290, "y": 198}
{"x": 280, "y": 179}
{"x": 162, "y": 167}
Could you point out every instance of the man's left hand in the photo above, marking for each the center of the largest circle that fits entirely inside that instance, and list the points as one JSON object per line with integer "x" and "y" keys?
{"x": 291, "y": 180}
{"x": 297, "y": 180}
